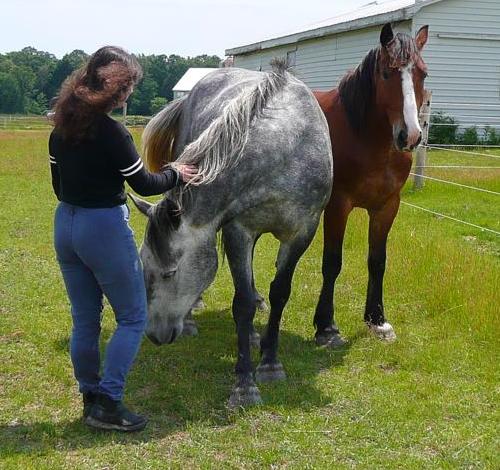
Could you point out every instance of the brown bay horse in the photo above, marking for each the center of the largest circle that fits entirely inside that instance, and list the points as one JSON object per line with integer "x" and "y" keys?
{"x": 373, "y": 120}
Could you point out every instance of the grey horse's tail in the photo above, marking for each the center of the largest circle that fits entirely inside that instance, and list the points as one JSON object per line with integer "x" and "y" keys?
{"x": 221, "y": 144}
{"x": 159, "y": 136}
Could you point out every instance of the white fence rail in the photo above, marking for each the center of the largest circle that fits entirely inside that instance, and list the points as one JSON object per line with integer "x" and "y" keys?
{"x": 477, "y": 151}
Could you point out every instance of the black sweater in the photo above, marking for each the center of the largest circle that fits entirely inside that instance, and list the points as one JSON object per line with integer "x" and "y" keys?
{"x": 92, "y": 173}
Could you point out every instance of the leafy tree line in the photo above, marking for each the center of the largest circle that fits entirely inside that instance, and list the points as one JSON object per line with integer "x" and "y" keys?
{"x": 29, "y": 79}
{"x": 446, "y": 131}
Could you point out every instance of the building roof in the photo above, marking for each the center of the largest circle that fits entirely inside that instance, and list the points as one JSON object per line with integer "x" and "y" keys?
{"x": 191, "y": 78}
{"x": 371, "y": 14}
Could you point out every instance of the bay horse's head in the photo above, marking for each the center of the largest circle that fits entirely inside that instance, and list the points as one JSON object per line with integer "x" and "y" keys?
{"x": 400, "y": 75}
{"x": 179, "y": 262}
{"x": 389, "y": 83}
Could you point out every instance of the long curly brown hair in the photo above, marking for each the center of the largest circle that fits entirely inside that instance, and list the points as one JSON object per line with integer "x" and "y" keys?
{"x": 92, "y": 90}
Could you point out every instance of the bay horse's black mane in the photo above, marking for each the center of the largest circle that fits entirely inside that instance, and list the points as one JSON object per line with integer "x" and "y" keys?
{"x": 357, "y": 87}
{"x": 356, "y": 90}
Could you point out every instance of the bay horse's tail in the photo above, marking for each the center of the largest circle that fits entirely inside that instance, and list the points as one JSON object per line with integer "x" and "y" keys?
{"x": 221, "y": 144}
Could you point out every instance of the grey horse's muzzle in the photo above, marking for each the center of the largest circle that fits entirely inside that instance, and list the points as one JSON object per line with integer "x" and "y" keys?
{"x": 161, "y": 336}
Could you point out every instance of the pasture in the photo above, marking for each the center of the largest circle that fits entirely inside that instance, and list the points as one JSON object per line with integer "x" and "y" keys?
{"x": 428, "y": 400}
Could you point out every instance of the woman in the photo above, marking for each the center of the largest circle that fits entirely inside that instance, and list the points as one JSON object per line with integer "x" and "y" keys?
{"x": 91, "y": 156}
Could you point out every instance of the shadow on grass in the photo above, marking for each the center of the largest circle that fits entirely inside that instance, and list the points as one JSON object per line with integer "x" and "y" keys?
{"x": 186, "y": 383}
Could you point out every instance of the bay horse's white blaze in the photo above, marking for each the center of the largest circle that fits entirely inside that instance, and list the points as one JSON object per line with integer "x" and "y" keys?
{"x": 410, "y": 111}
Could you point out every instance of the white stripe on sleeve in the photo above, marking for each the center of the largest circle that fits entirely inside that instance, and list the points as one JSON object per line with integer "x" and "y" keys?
{"x": 134, "y": 171}
{"x": 131, "y": 167}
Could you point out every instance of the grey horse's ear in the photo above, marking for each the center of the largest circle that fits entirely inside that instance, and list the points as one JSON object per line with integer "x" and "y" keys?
{"x": 143, "y": 206}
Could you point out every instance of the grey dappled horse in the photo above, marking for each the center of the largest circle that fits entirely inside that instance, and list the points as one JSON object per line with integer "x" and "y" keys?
{"x": 262, "y": 147}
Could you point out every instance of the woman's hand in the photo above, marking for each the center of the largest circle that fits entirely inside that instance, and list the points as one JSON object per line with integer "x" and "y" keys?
{"x": 186, "y": 172}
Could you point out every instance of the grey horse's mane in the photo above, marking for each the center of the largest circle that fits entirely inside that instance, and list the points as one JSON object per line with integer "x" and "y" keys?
{"x": 221, "y": 144}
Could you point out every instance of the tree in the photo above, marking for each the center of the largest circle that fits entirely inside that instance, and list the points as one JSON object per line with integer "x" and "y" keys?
{"x": 33, "y": 70}
{"x": 30, "y": 78}
{"x": 10, "y": 94}
{"x": 140, "y": 101}
{"x": 65, "y": 67}
{"x": 157, "y": 104}
{"x": 38, "y": 105}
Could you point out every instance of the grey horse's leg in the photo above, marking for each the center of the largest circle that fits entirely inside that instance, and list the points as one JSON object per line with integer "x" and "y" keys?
{"x": 260, "y": 303}
{"x": 189, "y": 325}
{"x": 334, "y": 224}
{"x": 289, "y": 254}
{"x": 199, "y": 304}
{"x": 191, "y": 329}
{"x": 259, "y": 299}
{"x": 239, "y": 244}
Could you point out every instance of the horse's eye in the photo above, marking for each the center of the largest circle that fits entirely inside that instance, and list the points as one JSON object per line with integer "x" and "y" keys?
{"x": 168, "y": 274}
{"x": 385, "y": 75}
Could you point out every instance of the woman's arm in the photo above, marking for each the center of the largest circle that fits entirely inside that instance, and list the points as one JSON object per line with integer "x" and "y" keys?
{"x": 131, "y": 167}
{"x": 54, "y": 170}
{"x": 145, "y": 183}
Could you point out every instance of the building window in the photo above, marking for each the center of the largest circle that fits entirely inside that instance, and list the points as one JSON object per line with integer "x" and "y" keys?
{"x": 290, "y": 58}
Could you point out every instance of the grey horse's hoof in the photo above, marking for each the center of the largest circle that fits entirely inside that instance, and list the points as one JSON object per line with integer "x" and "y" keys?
{"x": 199, "y": 304}
{"x": 330, "y": 338}
{"x": 261, "y": 305}
{"x": 385, "y": 332}
{"x": 270, "y": 372}
{"x": 189, "y": 327}
{"x": 254, "y": 339}
{"x": 244, "y": 394}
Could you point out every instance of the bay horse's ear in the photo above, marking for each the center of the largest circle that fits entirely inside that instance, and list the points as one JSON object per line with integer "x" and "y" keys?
{"x": 422, "y": 36}
{"x": 143, "y": 206}
{"x": 386, "y": 35}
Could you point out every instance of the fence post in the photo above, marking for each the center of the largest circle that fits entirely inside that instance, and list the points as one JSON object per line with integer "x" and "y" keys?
{"x": 124, "y": 113}
{"x": 421, "y": 154}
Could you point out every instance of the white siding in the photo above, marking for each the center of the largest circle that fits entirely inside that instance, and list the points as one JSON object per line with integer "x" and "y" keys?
{"x": 464, "y": 69}
{"x": 321, "y": 63}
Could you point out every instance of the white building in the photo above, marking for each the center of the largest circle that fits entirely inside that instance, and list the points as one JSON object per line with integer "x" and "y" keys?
{"x": 189, "y": 80}
{"x": 463, "y": 51}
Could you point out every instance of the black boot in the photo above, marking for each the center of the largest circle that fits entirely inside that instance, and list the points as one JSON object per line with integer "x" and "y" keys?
{"x": 111, "y": 414}
{"x": 89, "y": 398}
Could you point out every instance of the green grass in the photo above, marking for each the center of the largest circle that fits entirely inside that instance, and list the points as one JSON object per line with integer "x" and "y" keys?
{"x": 23, "y": 122}
{"x": 428, "y": 400}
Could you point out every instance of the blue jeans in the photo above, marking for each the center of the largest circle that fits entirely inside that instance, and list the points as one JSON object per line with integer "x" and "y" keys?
{"x": 97, "y": 255}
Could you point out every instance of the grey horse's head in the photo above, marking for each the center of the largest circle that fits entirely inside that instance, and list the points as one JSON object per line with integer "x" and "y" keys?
{"x": 179, "y": 261}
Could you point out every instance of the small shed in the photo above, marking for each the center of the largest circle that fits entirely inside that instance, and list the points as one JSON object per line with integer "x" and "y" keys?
{"x": 463, "y": 51}
{"x": 189, "y": 80}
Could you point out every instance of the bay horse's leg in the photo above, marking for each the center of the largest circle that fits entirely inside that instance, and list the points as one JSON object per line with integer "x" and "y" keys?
{"x": 289, "y": 254}
{"x": 380, "y": 224}
{"x": 334, "y": 224}
{"x": 238, "y": 245}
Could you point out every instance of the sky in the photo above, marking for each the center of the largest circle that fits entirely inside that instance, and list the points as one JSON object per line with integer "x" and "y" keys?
{"x": 183, "y": 27}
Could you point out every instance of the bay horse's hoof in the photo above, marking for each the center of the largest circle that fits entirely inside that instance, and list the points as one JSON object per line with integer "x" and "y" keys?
{"x": 261, "y": 305}
{"x": 270, "y": 372}
{"x": 189, "y": 327}
{"x": 199, "y": 304}
{"x": 254, "y": 339}
{"x": 330, "y": 338}
{"x": 385, "y": 332}
{"x": 244, "y": 394}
